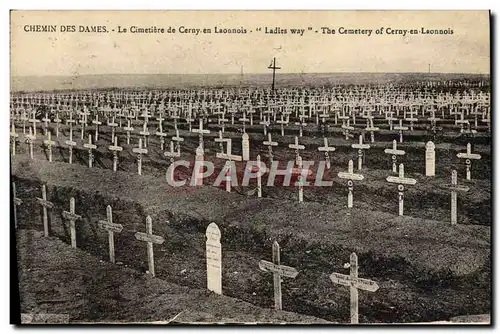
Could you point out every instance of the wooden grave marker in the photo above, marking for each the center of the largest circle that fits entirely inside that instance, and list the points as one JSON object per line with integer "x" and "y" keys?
{"x": 270, "y": 143}
{"x": 30, "y": 139}
{"x": 72, "y": 217}
{"x": 112, "y": 228}
{"x": 326, "y": 149}
{"x": 454, "y": 187}
{"x": 297, "y": 148}
{"x": 45, "y": 206}
{"x": 70, "y": 142}
{"x": 90, "y": 147}
{"x": 395, "y": 152}
{"x": 360, "y": 146}
{"x": 150, "y": 238}
{"x": 115, "y": 149}
{"x": 140, "y": 151}
{"x": 354, "y": 282}
{"x": 278, "y": 271}
{"x": 49, "y": 143}
{"x": 401, "y": 180}
{"x": 350, "y": 176}
{"x": 468, "y": 156}
{"x": 200, "y": 131}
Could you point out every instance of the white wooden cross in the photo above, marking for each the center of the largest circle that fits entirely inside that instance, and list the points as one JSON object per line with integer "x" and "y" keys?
{"x": 343, "y": 118}
{"x": 360, "y": 146}
{"x": 115, "y": 149}
{"x": 468, "y": 156}
{"x": 150, "y": 238}
{"x": 347, "y": 128}
{"x": 400, "y": 180}
{"x": 326, "y": 149}
{"x": 354, "y": 282}
{"x": 461, "y": 121}
{"x": 129, "y": 129}
{"x": 140, "y": 151}
{"x": 278, "y": 271}
{"x": 282, "y": 124}
{"x": 401, "y": 128}
{"x": 46, "y": 121}
{"x": 70, "y": 142}
{"x": 58, "y": 121}
{"x": 145, "y": 133}
{"x": 297, "y": 147}
{"x": 350, "y": 176}
{"x": 83, "y": 122}
{"x": 454, "y": 187}
{"x": 162, "y": 134}
{"x": 30, "y": 138}
{"x": 175, "y": 117}
{"x": 13, "y": 136}
{"x": 221, "y": 140}
{"x": 395, "y": 152}
{"x": 72, "y": 217}
{"x": 49, "y": 143}
{"x": 34, "y": 121}
{"x": 265, "y": 124}
{"x": 411, "y": 119}
{"x": 300, "y": 179}
{"x": 90, "y": 147}
{"x": 201, "y": 131}
{"x": 301, "y": 124}
{"x": 112, "y": 228}
{"x": 370, "y": 128}
{"x": 270, "y": 143}
{"x": 323, "y": 117}
{"x": 244, "y": 120}
{"x": 96, "y": 122}
{"x": 390, "y": 119}
{"x": 17, "y": 202}
{"x": 433, "y": 120}
{"x": 113, "y": 125}
{"x": 45, "y": 205}
{"x": 24, "y": 118}
{"x": 177, "y": 139}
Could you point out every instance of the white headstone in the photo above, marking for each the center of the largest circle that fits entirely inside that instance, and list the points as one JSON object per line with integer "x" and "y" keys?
{"x": 245, "y": 147}
{"x": 430, "y": 159}
{"x": 214, "y": 259}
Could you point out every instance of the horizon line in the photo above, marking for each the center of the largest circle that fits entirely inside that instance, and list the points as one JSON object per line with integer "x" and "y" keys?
{"x": 240, "y": 74}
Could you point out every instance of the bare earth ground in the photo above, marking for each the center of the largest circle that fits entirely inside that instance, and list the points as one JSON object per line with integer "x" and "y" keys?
{"x": 426, "y": 269}
{"x": 56, "y": 279}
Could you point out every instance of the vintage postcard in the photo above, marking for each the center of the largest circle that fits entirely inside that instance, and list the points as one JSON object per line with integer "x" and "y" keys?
{"x": 251, "y": 167}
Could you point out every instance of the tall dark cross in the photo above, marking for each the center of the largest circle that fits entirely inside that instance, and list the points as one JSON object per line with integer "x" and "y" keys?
{"x": 274, "y": 68}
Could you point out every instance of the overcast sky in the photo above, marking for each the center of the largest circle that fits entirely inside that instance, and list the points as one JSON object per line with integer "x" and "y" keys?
{"x": 467, "y": 50}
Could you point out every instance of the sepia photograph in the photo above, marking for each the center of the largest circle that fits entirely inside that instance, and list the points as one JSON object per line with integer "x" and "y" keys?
{"x": 251, "y": 167}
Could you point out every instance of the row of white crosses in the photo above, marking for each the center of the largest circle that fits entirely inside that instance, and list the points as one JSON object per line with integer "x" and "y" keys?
{"x": 107, "y": 225}
{"x": 370, "y": 128}
{"x": 245, "y": 144}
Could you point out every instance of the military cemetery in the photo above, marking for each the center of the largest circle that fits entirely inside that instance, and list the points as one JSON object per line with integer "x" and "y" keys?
{"x": 343, "y": 199}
